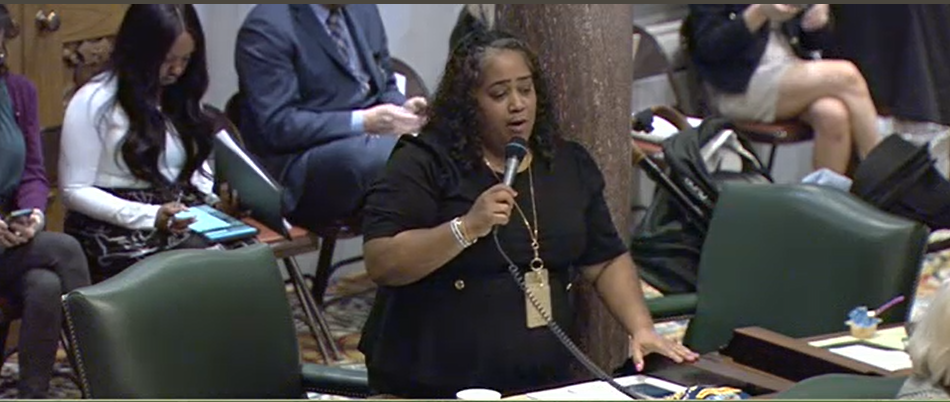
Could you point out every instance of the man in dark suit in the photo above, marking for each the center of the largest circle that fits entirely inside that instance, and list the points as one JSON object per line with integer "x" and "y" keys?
{"x": 320, "y": 104}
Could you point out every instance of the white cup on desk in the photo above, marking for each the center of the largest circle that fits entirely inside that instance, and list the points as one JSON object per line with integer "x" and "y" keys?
{"x": 478, "y": 394}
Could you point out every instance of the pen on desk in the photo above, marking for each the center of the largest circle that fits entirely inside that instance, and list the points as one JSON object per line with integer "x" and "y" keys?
{"x": 892, "y": 303}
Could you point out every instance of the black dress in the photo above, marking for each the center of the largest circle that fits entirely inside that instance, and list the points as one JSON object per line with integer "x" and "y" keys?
{"x": 464, "y": 325}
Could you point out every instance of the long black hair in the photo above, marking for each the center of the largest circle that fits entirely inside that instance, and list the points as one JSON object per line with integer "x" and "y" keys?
{"x": 146, "y": 35}
{"x": 454, "y": 111}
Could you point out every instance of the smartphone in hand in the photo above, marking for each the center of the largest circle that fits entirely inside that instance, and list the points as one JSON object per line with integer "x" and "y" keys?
{"x": 19, "y": 216}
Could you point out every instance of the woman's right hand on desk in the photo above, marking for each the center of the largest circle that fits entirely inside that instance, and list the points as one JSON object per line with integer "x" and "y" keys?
{"x": 165, "y": 220}
{"x": 493, "y": 207}
{"x": 647, "y": 340}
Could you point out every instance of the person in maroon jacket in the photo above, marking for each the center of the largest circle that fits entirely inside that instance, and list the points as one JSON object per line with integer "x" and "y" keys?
{"x": 36, "y": 267}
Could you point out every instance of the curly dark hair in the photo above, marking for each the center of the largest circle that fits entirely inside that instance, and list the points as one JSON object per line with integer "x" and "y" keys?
{"x": 454, "y": 110}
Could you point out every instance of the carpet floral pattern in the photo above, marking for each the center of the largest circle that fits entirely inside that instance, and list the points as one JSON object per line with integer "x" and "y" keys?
{"x": 350, "y": 297}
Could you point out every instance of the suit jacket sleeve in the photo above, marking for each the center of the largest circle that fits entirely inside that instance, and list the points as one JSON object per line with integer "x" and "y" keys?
{"x": 34, "y": 187}
{"x": 716, "y": 34}
{"x": 391, "y": 93}
{"x": 264, "y": 59}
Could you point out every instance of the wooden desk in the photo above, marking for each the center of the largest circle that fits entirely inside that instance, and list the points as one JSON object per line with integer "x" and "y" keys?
{"x": 717, "y": 369}
{"x": 794, "y": 359}
{"x": 300, "y": 241}
{"x": 760, "y": 362}
{"x": 711, "y": 369}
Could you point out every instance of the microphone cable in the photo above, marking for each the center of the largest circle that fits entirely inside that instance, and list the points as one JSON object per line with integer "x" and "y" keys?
{"x": 556, "y": 329}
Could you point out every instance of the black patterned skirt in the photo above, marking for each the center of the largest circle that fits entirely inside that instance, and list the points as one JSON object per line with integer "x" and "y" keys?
{"x": 110, "y": 249}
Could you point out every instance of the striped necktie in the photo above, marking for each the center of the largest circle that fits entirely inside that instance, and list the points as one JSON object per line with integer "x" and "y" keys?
{"x": 335, "y": 26}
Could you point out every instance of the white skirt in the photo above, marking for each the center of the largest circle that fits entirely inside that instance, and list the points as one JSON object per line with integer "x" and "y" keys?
{"x": 761, "y": 97}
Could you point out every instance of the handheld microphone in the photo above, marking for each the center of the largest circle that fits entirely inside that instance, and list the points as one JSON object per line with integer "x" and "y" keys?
{"x": 515, "y": 152}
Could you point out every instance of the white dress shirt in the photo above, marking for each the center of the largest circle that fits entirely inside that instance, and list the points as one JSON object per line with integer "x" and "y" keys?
{"x": 93, "y": 129}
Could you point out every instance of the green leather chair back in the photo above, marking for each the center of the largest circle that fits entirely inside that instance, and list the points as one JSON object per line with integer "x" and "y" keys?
{"x": 795, "y": 259}
{"x": 844, "y": 386}
{"x": 201, "y": 324}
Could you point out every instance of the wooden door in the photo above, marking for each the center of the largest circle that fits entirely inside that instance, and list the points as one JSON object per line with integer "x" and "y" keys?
{"x": 64, "y": 44}
{"x": 14, "y": 56}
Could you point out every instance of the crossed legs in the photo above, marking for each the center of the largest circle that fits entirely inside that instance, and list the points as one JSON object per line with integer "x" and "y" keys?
{"x": 832, "y": 97}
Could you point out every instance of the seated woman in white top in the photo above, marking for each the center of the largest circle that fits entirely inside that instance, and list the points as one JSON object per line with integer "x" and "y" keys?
{"x": 136, "y": 141}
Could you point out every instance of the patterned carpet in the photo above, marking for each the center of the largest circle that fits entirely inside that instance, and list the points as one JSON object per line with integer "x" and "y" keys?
{"x": 349, "y": 300}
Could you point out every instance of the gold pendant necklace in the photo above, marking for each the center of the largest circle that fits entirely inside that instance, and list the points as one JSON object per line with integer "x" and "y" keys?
{"x": 536, "y": 285}
{"x": 537, "y": 264}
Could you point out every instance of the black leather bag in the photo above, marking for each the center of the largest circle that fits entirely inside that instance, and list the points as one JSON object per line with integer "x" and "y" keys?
{"x": 900, "y": 177}
{"x": 666, "y": 245}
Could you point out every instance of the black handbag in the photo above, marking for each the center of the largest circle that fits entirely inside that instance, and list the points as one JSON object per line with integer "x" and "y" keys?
{"x": 900, "y": 177}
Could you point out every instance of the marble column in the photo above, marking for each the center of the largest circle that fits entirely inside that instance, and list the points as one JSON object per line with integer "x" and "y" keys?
{"x": 586, "y": 53}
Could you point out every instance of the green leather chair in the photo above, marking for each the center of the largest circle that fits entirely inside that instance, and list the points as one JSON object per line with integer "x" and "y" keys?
{"x": 201, "y": 324}
{"x": 844, "y": 386}
{"x": 795, "y": 259}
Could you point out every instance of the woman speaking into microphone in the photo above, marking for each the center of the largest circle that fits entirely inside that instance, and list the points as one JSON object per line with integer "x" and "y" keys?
{"x": 448, "y": 314}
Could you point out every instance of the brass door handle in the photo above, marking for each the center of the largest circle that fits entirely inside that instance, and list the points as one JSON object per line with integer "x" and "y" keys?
{"x": 47, "y": 22}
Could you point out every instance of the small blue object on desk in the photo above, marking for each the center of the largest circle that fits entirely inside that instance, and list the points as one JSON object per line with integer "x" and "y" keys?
{"x": 860, "y": 317}
{"x": 216, "y": 226}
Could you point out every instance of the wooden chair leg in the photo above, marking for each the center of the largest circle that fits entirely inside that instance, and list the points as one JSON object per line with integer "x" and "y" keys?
{"x": 313, "y": 315}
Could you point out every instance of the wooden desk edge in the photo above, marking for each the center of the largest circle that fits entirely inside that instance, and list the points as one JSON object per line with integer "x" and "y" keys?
{"x": 726, "y": 366}
{"x": 301, "y": 241}
{"x": 801, "y": 345}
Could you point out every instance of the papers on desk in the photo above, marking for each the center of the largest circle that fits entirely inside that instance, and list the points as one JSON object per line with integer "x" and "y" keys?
{"x": 890, "y": 360}
{"x": 885, "y": 350}
{"x": 599, "y": 390}
{"x": 891, "y": 338}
